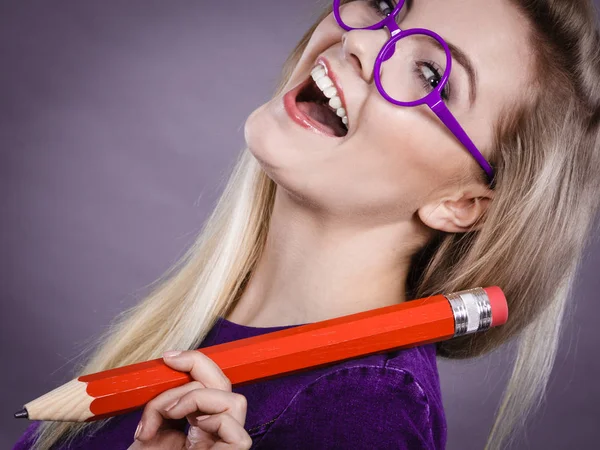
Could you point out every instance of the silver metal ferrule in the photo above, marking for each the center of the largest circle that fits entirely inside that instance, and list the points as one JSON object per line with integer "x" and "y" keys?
{"x": 472, "y": 311}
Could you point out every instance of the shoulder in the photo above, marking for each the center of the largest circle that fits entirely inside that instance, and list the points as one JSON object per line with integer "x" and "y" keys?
{"x": 26, "y": 439}
{"x": 371, "y": 402}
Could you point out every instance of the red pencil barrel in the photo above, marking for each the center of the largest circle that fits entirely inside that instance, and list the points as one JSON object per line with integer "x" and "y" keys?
{"x": 408, "y": 324}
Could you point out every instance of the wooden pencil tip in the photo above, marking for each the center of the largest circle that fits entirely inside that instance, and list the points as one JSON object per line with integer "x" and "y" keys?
{"x": 22, "y": 414}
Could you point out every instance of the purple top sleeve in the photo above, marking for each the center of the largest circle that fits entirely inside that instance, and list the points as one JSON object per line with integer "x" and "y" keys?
{"x": 389, "y": 400}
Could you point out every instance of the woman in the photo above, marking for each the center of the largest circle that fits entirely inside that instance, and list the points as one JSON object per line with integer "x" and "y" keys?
{"x": 382, "y": 202}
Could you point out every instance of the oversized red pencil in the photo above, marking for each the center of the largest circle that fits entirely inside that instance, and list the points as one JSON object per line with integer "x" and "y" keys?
{"x": 417, "y": 322}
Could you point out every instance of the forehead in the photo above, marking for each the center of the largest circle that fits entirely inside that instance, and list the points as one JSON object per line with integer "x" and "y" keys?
{"x": 492, "y": 33}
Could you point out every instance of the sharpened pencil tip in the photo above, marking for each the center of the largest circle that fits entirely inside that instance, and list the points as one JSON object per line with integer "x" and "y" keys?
{"x": 22, "y": 414}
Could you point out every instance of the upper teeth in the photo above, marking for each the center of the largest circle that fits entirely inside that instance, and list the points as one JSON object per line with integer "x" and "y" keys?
{"x": 319, "y": 75}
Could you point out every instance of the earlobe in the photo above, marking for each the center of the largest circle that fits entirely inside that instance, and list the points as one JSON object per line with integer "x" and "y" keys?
{"x": 455, "y": 216}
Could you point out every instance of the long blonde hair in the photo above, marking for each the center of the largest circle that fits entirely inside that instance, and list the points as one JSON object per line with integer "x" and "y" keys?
{"x": 546, "y": 154}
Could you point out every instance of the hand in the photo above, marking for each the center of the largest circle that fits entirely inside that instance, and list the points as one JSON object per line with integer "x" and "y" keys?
{"x": 216, "y": 415}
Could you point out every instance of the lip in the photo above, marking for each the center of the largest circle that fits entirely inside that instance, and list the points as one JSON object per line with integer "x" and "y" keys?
{"x": 289, "y": 103}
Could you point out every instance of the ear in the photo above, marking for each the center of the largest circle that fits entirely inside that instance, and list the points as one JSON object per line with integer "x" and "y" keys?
{"x": 459, "y": 213}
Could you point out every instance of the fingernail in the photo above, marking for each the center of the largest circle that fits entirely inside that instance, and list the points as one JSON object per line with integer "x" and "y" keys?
{"x": 138, "y": 430}
{"x": 171, "y": 353}
{"x": 194, "y": 436}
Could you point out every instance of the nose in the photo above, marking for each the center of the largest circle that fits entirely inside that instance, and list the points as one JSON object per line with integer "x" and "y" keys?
{"x": 361, "y": 47}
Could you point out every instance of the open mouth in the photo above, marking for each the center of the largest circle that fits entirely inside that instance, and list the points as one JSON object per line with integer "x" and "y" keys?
{"x": 319, "y": 100}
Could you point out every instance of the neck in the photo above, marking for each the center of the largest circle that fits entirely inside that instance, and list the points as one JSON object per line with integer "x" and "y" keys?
{"x": 315, "y": 268}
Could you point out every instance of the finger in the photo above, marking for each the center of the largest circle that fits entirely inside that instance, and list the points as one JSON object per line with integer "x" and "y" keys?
{"x": 154, "y": 414}
{"x": 193, "y": 402}
{"x": 209, "y": 401}
{"x": 200, "y": 367}
{"x": 229, "y": 430}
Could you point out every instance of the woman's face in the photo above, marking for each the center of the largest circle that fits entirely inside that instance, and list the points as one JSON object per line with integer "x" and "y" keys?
{"x": 394, "y": 160}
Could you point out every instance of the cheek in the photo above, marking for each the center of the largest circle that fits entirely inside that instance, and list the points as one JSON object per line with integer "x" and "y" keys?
{"x": 327, "y": 34}
{"x": 435, "y": 150}
{"x": 406, "y": 141}
{"x": 404, "y": 153}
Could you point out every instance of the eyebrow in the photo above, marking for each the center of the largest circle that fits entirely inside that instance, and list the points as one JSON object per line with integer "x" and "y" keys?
{"x": 461, "y": 58}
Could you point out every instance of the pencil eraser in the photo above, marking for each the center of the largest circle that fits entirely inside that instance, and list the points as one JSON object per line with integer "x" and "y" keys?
{"x": 498, "y": 305}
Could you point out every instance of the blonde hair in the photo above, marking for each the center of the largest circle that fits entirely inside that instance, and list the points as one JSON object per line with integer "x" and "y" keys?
{"x": 530, "y": 244}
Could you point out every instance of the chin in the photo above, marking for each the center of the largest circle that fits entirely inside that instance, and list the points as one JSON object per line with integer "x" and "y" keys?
{"x": 252, "y": 125}
{"x": 270, "y": 145}
{"x": 262, "y": 136}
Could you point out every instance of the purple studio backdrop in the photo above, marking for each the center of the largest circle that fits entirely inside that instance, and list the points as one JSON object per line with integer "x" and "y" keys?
{"x": 119, "y": 123}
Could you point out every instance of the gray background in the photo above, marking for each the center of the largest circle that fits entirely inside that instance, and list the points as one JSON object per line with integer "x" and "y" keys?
{"x": 119, "y": 122}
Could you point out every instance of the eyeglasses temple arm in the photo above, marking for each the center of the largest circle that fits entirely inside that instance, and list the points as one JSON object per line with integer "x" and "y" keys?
{"x": 444, "y": 114}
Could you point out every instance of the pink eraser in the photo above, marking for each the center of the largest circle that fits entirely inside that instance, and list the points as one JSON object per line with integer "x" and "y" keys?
{"x": 498, "y": 305}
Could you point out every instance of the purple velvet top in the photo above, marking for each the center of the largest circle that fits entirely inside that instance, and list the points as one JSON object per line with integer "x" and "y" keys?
{"x": 390, "y": 400}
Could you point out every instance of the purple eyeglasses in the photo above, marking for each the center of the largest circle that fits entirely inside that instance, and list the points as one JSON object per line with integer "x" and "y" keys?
{"x": 367, "y": 15}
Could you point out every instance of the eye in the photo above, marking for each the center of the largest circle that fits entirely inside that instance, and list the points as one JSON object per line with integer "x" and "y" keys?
{"x": 431, "y": 75}
{"x": 383, "y": 7}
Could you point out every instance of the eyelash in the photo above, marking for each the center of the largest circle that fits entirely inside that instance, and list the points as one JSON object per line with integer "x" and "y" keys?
{"x": 438, "y": 73}
{"x": 375, "y": 4}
